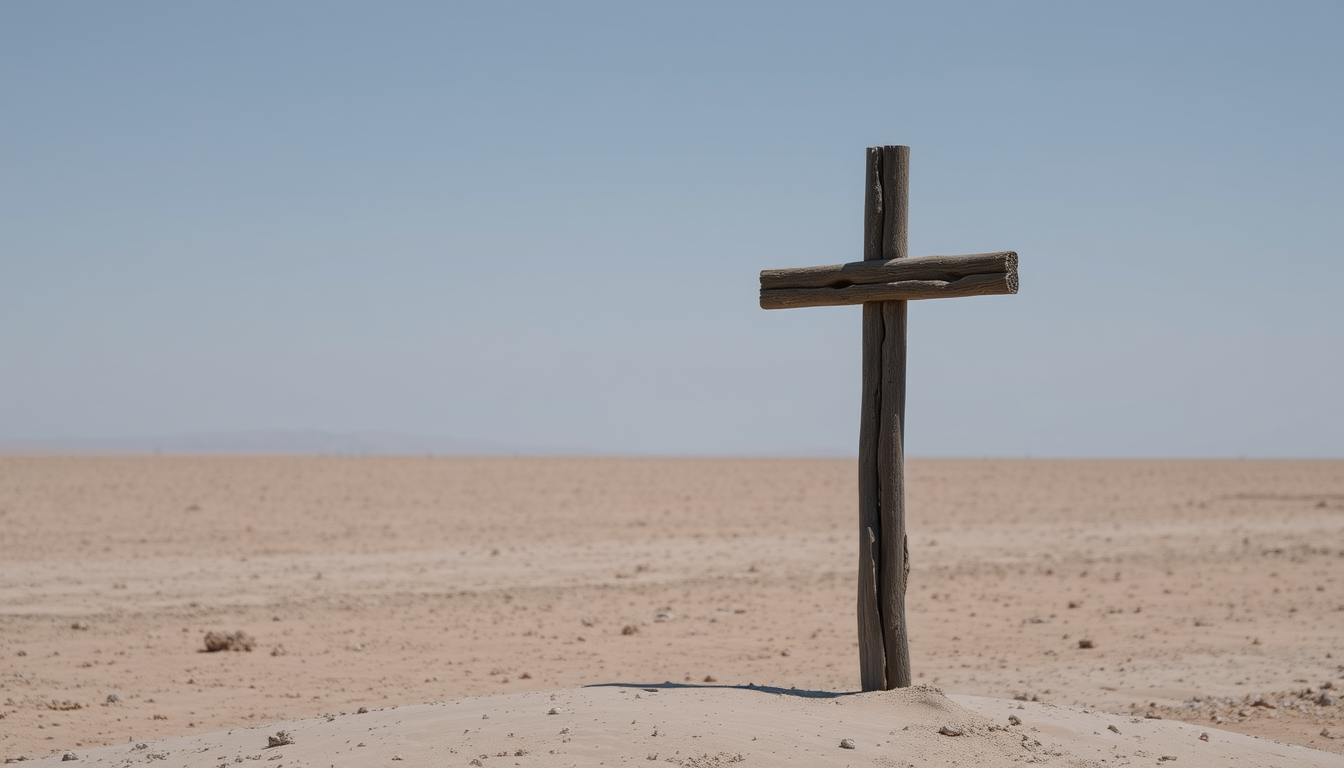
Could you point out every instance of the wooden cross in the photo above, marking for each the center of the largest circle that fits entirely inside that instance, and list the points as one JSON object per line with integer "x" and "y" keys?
{"x": 882, "y": 283}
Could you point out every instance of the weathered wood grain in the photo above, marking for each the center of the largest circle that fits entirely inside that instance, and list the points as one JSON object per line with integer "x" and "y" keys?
{"x": 872, "y": 654}
{"x": 907, "y": 290}
{"x": 946, "y": 268}
{"x": 883, "y": 282}
{"x": 891, "y": 430}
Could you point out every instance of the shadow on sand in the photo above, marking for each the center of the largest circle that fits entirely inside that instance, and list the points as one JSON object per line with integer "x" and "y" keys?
{"x": 666, "y": 686}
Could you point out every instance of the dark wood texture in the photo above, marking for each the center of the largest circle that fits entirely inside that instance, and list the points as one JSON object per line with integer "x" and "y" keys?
{"x": 872, "y": 653}
{"x": 891, "y": 432}
{"x": 883, "y": 282}
{"x": 905, "y": 290}
{"x": 945, "y": 268}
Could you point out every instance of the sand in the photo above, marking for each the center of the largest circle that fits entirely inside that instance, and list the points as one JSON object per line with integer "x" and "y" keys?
{"x": 435, "y": 591}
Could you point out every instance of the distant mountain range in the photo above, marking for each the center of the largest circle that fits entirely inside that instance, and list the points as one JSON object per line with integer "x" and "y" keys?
{"x": 312, "y": 443}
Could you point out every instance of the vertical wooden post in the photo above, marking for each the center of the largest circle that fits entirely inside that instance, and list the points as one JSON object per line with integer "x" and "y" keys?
{"x": 894, "y": 567}
{"x": 872, "y": 651}
{"x": 884, "y": 647}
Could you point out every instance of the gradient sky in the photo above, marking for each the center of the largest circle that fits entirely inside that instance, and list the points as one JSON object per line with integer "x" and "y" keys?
{"x": 543, "y": 223}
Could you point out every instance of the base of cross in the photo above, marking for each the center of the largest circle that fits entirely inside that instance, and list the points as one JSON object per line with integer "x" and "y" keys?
{"x": 883, "y": 282}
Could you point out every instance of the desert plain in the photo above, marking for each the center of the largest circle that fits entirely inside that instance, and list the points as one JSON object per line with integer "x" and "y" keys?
{"x": 698, "y": 612}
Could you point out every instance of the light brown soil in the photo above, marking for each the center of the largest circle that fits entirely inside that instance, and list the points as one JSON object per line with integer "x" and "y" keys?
{"x": 371, "y": 582}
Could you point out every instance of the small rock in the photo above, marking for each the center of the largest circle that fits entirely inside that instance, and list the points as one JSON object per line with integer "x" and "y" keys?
{"x": 1204, "y": 736}
{"x": 848, "y": 744}
{"x": 1112, "y": 729}
{"x": 69, "y": 756}
{"x": 396, "y": 757}
{"x": 77, "y": 625}
{"x": 1165, "y": 758}
{"x": 1325, "y": 699}
{"x": 711, "y": 679}
{"x": 629, "y": 629}
{"x": 113, "y": 698}
{"x": 951, "y": 730}
{"x": 280, "y": 739}
{"x": 1086, "y": 644}
{"x": 1151, "y": 715}
{"x": 665, "y": 616}
{"x": 553, "y": 711}
{"x": 362, "y": 711}
{"x": 1014, "y": 720}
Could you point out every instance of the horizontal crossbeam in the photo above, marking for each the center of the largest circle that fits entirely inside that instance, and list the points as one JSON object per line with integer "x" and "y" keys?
{"x": 924, "y": 277}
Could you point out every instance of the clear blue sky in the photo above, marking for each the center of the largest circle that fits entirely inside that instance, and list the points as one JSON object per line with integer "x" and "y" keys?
{"x": 542, "y": 223}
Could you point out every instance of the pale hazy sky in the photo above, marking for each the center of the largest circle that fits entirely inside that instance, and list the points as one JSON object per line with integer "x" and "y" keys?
{"x": 542, "y": 223}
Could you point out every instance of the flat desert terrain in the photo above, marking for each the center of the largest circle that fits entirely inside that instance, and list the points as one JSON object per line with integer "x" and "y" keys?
{"x": 1123, "y": 612}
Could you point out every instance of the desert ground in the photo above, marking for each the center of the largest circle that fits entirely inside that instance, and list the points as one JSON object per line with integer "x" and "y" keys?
{"x": 1117, "y": 609}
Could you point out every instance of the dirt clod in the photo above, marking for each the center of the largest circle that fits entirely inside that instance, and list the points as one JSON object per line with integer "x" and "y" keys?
{"x": 228, "y": 641}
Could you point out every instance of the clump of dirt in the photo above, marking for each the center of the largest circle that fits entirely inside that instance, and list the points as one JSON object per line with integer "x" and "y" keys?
{"x": 228, "y": 641}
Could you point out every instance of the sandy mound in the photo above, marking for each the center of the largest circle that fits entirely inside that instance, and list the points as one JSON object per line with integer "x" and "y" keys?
{"x": 707, "y": 727}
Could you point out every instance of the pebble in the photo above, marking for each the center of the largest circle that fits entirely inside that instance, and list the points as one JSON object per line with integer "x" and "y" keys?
{"x": 848, "y": 744}
{"x": 1112, "y": 729}
{"x": 1014, "y": 720}
{"x": 113, "y": 698}
{"x": 69, "y": 756}
{"x": 1325, "y": 699}
{"x": 553, "y": 711}
{"x": 951, "y": 730}
{"x": 280, "y": 739}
